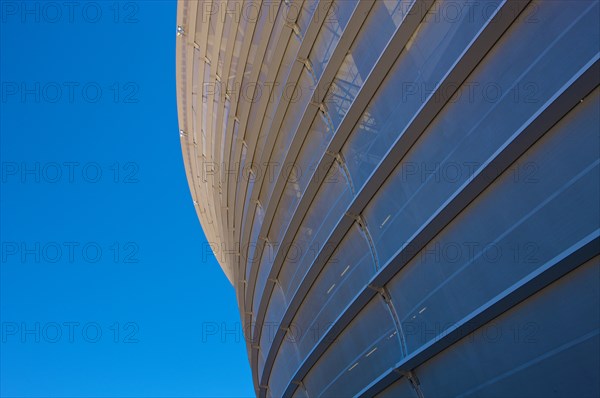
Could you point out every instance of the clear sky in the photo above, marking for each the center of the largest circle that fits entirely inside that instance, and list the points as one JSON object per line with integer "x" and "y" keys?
{"x": 105, "y": 286}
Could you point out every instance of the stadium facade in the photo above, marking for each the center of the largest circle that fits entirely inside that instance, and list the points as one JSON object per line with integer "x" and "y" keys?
{"x": 404, "y": 194}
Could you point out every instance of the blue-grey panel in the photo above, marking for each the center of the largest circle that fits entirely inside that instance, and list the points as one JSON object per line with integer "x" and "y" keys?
{"x": 327, "y": 208}
{"x": 400, "y": 389}
{"x": 378, "y": 28}
{"x": 435, "y": 46}
{"x": 545, "y": 347}
{"x": 336, "y": 20}
{"x": 519, "y": 223}
{"x": 349, "y": 269}
{"x": 298, "y": 175}
{"x": 299, "y": 98}
{"x": 522, "y": 77}
{"x": 367, "y": 348}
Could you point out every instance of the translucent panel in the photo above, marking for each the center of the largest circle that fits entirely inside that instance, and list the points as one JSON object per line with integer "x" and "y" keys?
{"x": 282, "y": 14}
{"x": 264, "y": 263}
{"x": 254, "y": 257}
{"x": 346, "y": 273}
{"x": 277, "y": 90}
{"x": 211, "y": 18}
{"x": 270, "y": 327}
{"x": 309, "y": 7}
{"x": 215, "y": 133}
{"x": 378, "y": 28}
{"x": 283, "y": 369}
{"x": 401, "y": 388}
{"x": 196, "y": 85}
{"x": 469, "y": 130}
{"x": 273, "y": 318}
{"x": 259, "y": 92}
{"x": 263, "y": 27}
{"x": 226, "y": 108}
{"x": 227, "y": 33}
{"x": 299, "y": 98}
{"x": 298, "y": 175}
{"x": 365, "y": 349}
{"x": 329, "y": 34}
{"x": 429, "y": 54}
{"x": 279, "y": 220}
{"x": 300, "y": 393}
{"x": 243, "y": 172}
{"x": 327, "y": 208}
{"x": 234, "y": 167}
{"x": 546, "y": 346}
{"x": 239, "y": 40}
{"x": 515, "y": 226}
{"x": 206, "y": 89}
{"x": 198, "y": 62}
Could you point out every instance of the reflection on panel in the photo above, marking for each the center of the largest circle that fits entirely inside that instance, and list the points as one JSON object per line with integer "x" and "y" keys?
{"x": 518, "y": 224}
{"x": 366, "y": 348}
{"x": 528, "y": 351}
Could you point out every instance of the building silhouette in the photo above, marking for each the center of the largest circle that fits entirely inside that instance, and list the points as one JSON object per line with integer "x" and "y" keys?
{"x": 404, "y": 194}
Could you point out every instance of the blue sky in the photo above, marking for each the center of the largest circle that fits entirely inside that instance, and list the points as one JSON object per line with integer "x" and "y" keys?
{"x": 98, "y": 229}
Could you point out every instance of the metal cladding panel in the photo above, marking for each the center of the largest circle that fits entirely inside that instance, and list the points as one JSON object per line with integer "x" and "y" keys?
{"x": 404, "y": 193}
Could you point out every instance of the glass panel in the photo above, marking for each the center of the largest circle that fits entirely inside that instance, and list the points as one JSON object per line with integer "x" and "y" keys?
{"x": 277, "y": 90}
{"x": 326, "y": 210}
{"x": 401, "y": 388}
{"x": 299, "y": 98}
{"x": 337, "y": 18}
{"x": 216, "y": 87}
{"x": 243, "y": 172}
{"x": 470, "y": 129}
{"x": 365, "y": 349}
{"x": 224, "y": 136}
{"x": 378, "y": 28}
{"x": 298, "y": 175}
{"x": 546, "y": 346}
{"x": 270, "y": 326}
{"x": 196, "y": 84}
{"x": 239, "y": 40}
{"x": 306, "y": 13}
{"x": 290, "y": 125}
{"x": 329, "y": 205}
{"x": 253, "y": 256}
{"x": 266, "y": 262}
{"x": 273, "y": 318}
{"x": 206, "y": 89}
{"x": 428, "y": 56}
{"x": 345, "y": 274}
{"x": 230, "y": 12}
{"x": 300, "y": 393}
{"x": 211, "y": 17}
{"x": 263, "y": 26}
{"x": 261, "y": 90}
{"x": 283, "y": 369}
{"x": 516, "y": 225}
